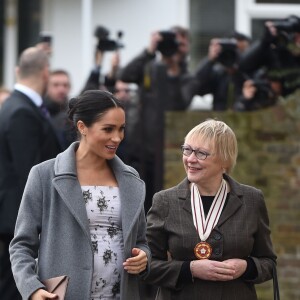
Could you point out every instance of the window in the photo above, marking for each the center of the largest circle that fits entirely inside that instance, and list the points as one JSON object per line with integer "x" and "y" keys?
{"x": 29, "y": 20}
{"x": 2, "y": 10}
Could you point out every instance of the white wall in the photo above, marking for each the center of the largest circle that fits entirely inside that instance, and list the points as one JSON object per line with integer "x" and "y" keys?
{"x": 136, "y": 18}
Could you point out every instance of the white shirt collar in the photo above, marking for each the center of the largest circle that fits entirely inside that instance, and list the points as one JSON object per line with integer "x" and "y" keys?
{"x": 30, "y": 93}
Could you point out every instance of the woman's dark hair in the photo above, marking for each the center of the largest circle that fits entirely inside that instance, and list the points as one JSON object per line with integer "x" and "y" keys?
{"x": 90, "y": 106}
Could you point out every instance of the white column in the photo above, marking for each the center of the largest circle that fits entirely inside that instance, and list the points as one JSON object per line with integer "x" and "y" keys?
{"x": 246, "y": 10}
{"x": 10, "y": 42}
{"x": 183, "y": 13}
{"x": 86, "y": 30}
{"x": 273, "y": 11}
{"x": 242, "y": 17}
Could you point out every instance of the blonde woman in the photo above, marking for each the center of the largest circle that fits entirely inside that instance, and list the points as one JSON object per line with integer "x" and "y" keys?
{"x": 209, "y": 235}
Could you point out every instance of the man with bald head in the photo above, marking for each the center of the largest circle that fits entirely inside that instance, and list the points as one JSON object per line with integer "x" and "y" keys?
{"x": 26, "y": 138}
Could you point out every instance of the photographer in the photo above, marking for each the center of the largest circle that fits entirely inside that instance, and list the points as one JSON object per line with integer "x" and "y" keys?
{"x": 104, "y": 44}
{"x": 257, "y": 93}
{"x": 279, "y": 52}
{"x": 121, "y": 90}
{"x": 219, "y": 74}
{"x": 159, "y": 71}
{"x": 95, "y": 80}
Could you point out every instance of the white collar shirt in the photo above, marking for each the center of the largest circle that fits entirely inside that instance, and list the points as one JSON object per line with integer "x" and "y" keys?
{"x": 30, "y": 93}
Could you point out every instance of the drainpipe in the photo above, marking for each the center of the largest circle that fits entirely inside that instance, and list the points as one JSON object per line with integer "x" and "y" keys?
{"x": 10, "y": 43}
{"x": 86, "y": 31}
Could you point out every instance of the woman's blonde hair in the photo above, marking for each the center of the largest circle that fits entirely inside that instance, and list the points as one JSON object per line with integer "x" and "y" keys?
{"x": 222, "y": 139}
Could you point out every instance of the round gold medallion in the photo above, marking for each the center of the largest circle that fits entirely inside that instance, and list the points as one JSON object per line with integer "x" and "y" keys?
{"x": 203, "y": 250}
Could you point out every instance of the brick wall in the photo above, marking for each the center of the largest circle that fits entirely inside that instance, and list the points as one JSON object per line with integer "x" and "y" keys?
{"x": 269, "y": 159}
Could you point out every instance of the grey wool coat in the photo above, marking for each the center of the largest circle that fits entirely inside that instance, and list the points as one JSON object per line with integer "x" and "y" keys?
{"x": 242, "y": 231}
{"x": 52, "y": 225}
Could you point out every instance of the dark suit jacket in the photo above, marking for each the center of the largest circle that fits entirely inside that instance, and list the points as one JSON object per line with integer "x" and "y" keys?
{"x": 242, "y": 231}
{"x": 26, "y": 138}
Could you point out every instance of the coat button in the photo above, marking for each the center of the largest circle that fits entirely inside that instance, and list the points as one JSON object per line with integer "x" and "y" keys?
{"x": 217, "y": 251}
{"x": 217, "y": 236}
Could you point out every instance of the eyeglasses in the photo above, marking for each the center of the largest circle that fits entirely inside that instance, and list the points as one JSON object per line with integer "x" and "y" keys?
{"x": 122, "y": 90}
{"x": 187, "y": 151}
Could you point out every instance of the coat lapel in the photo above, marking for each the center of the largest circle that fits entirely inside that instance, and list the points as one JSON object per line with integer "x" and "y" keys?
{"x": 185, "y": 194}
{"x": 234, "y": 202}
{"x": 68, "y": 187}
{"x": 71, "y": 193}
{"x": 132, "y": 194}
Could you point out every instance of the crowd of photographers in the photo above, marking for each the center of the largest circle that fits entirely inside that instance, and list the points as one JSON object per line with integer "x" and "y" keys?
{"x": 254, "y": 76}
{"x": 240, "y": 74}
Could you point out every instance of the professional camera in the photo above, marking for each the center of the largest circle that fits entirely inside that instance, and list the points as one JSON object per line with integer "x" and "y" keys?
{"x": 263, "y": 87}
{"x": 286, "y": 28}
{"x": 106, "y": 44}
{"x": 45, "y": 37}
{"x": 228, "y": 55}
{"x": 290, "y": 24}
{"x": 168, "y": 46}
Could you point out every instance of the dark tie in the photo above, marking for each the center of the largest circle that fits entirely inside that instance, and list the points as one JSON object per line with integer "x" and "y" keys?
{"x": 45, "y": 111}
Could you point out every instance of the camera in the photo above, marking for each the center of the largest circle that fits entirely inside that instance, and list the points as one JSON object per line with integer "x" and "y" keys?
{"x": 228, "y": 55}
{"x": 263, "y": 87}
{"x": 290, "y": 24}
{"x": 168, "y": 46}
{"x": 104, "y": 42}
{"x": 45, "y": 37}
{"x": 286, "y": 28}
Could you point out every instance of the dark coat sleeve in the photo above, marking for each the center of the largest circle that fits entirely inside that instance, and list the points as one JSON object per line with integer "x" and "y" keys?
{"x": 93, "y": 81}
{"x": 202, "y": 82}
{"x": 134, "y": 70}
{"x": 163, "y": 272}
{"x": 262, "y": 252}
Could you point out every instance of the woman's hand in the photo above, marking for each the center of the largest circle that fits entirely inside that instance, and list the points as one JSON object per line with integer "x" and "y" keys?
{"x": 239, "y": 266}
{"x": 137, "y": 263}
{"x": 212, "y": 270}
{"x": 41, "y": 294}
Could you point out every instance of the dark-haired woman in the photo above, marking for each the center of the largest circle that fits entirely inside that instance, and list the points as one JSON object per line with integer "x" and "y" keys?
{"x": 82, "y": 213}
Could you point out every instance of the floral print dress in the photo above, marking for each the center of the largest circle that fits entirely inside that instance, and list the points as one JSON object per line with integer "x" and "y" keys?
{"x": 104, "y": 213}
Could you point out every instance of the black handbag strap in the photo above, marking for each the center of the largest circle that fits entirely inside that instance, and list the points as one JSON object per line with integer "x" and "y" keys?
{"x": 275, "y": 283}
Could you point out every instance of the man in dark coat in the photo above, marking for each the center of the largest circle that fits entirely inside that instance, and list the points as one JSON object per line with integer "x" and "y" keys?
{"x": 26, "y": 138}
{"x": 219, "y": 74}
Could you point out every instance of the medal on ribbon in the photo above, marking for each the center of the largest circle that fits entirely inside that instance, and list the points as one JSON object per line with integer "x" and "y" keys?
{"x": 203, "y": 250}
{"x": 204, "y": 226}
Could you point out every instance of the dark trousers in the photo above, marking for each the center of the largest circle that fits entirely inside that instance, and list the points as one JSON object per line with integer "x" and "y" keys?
{"x": 8, "y": 289}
